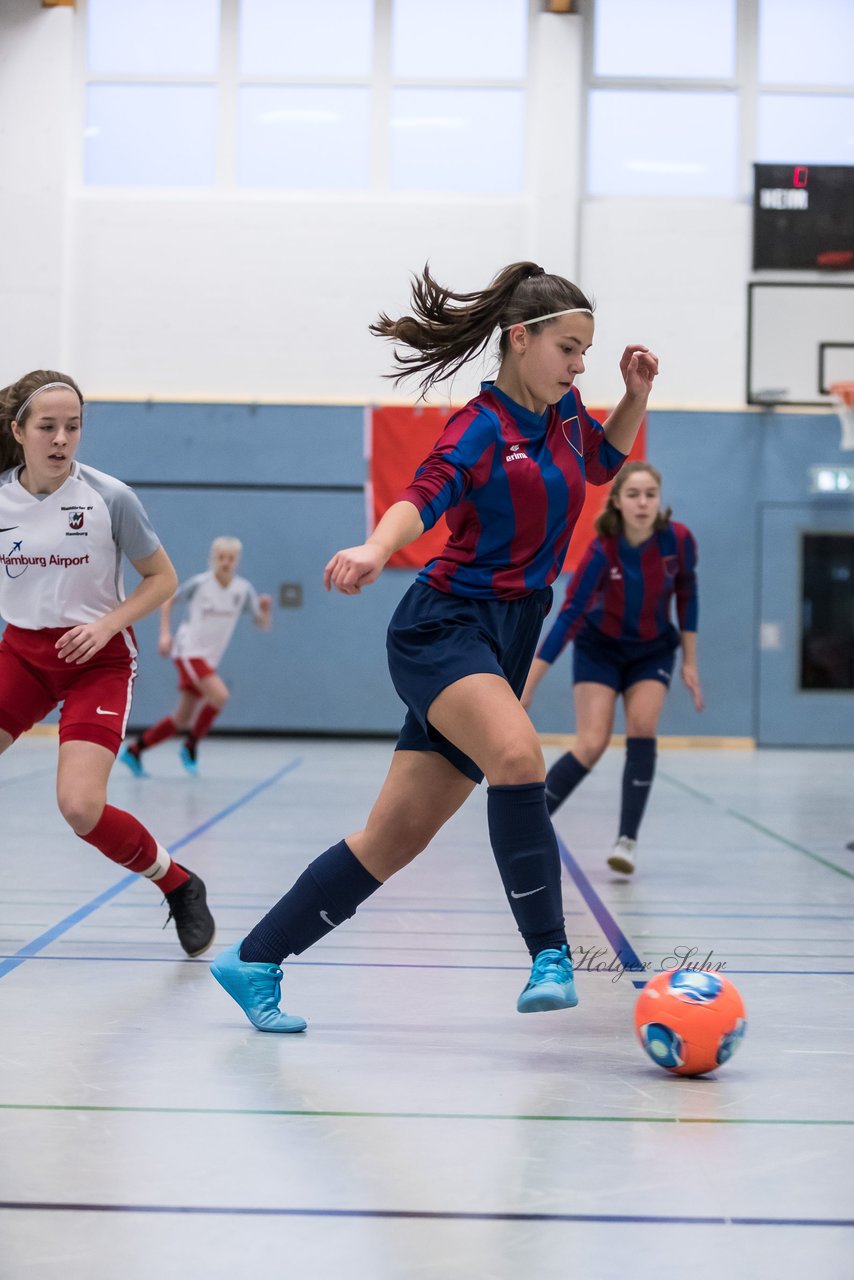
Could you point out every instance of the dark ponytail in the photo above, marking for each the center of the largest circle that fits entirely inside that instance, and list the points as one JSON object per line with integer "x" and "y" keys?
{"x": 12, "y": 400}
{"x": 448, "y": 329}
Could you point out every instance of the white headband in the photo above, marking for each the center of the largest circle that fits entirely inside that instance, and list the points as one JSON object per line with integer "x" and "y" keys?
{"x": 47, "y": 386}
{"x": 553, "y": 315}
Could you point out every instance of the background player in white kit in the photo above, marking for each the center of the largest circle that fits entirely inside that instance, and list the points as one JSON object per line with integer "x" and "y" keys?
{"x": 216, "y": 600}
{"x": 63, "y": 530}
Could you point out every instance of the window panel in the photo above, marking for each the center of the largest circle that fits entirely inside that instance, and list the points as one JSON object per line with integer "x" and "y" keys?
{"x": 648, "y": 143}
{"x": 464, "y": 39}
{"x": 810, "y": 43}
{"x": 154, "y": 37}
{"x": 150, "y": 135}
{"x": 688, "y": 39}
{"x": 806, "y": 128}
{"x": 445, "y": 140}
{"x": 292, "y": 38}
{"x": 303, "y": 137}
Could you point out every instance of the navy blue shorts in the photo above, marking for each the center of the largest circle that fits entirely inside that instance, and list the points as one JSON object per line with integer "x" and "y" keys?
{"x": 620, "y": 664}
{"x": 435, "y": 639}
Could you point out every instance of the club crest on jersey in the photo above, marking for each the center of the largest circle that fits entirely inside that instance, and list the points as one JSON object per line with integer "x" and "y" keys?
{"x": 75, "y": 519}
{"x": 571, "y": 428}
{"x": 516, "y": 453}
{"x": 671, "y": 565}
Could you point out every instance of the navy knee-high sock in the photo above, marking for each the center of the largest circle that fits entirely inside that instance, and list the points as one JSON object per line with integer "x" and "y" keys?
{"x": 562, "y": 779}
{"x": 638, "y": 774}
{"x": 525, "y": 848}
{"x": 325, "y": 895}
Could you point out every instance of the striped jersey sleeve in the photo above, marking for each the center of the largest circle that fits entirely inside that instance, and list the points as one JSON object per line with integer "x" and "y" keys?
{"x": 687, "y": 605}
{"x": 585, "y": 582}
{"x": 602, "y": 460}
{"x": 448, "y": 472}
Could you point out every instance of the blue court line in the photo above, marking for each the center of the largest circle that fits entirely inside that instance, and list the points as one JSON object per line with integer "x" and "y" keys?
{"x": 623, "y": 949}
{"x": 44, "y": 939}
{"x": 430, "y": 1215}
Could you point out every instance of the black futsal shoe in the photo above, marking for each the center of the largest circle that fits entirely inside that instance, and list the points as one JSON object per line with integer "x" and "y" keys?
{"x": 189, "y": 909}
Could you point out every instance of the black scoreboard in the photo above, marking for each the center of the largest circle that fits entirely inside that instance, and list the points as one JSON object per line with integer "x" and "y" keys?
{"x": 803, "y": 217}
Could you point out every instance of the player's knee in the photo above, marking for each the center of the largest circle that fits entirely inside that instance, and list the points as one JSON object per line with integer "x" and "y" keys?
{"x": 518, "y": 761}
{"x": 80, "y": 810}
{"x": 385, "y": 852}
{"x": 641, "y": 729}
{"x": 589, "y": 748}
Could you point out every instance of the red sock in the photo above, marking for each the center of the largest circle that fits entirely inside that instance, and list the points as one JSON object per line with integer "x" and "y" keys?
{"x": 123, "y": 839}
{"x": 204, "y": 720}
{"x": 164, "y": 728}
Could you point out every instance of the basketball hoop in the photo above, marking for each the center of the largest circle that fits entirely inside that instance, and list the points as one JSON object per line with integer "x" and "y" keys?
{"x": 843, "y": 398}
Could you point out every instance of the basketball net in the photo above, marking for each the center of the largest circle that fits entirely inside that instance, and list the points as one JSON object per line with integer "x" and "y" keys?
{"x": 843, "y": 399}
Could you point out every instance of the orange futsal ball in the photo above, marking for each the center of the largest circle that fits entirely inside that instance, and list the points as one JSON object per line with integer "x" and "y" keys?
{"x": 690, "y": 1021}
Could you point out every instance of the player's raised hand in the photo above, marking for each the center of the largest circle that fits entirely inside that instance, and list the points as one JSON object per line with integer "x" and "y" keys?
{"x": 639, "y": 367}
{"x": 355, "y": 567}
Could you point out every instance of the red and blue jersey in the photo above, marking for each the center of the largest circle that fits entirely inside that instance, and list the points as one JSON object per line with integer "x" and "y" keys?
{"x": 625, "y": 592}
{"x": 511, "y": 485}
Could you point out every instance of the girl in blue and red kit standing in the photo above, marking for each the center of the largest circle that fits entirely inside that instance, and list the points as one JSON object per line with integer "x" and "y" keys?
{"x": 617, "y": 612}
{"x": 509, "y": 471}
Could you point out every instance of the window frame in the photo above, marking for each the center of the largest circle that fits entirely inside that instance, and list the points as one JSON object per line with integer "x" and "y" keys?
{"x": 228, "y": 81}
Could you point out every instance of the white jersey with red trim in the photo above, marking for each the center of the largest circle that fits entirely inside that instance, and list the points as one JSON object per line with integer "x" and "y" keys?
{"x": 61, "y": 553}
{"x": 212, "y": 617}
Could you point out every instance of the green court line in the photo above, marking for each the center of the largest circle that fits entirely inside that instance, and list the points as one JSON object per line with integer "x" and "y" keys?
{"x": 402, "y": 1115}
{"x": 751, "y": 822}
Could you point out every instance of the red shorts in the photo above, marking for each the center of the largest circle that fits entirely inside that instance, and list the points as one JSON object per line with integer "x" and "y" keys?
{"x": 190, "y": 671}
{"x": 95, "y": 697}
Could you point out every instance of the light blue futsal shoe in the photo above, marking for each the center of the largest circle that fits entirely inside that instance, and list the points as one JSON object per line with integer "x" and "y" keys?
{"x": 133, "y": 762}
{"x": 257, "y": 988}
{"x": 551, "y": 984}
{"x": 188, "y": 760}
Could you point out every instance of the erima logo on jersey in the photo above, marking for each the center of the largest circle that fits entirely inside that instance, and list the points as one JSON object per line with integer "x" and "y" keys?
{"x": 615, "y": 575}
{"x": 516, "y": 452}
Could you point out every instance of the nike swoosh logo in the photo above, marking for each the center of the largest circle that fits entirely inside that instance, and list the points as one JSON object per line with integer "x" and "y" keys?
{"x": 101, "y": 712}
{"x": 635, "y": 783}
{"x": 325, "y": 918}
{"x": 514, "y": 894}
{"x": 9, "y": 528}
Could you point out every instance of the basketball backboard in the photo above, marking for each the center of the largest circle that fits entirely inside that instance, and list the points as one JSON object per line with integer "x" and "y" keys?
{"x": 800, "y": 340}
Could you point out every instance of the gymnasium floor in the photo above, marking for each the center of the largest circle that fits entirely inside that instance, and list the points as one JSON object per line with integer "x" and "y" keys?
{"x": 422, "y": 1128}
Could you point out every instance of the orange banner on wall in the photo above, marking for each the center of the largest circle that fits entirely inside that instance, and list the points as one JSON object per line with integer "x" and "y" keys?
{"x": 399, "y": 439}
